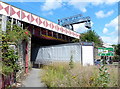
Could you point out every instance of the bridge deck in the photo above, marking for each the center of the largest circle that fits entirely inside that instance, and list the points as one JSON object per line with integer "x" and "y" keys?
{"x": 24, "y": 16}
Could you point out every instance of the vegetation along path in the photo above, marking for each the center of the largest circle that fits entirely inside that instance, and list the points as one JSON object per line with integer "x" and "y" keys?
{"x": 33, "y": 79}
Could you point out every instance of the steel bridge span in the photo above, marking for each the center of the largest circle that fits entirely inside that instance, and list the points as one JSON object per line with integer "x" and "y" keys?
{"x": 43, "y": 32}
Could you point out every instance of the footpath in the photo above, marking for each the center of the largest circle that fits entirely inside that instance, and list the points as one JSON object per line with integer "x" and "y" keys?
{"x": 33, "y": 79}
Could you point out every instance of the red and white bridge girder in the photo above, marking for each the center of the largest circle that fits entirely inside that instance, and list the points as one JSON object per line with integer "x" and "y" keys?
{"x": 30, "y": 18}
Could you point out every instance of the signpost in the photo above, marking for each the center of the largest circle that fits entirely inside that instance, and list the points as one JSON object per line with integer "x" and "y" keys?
{"x": 105, "y": 52}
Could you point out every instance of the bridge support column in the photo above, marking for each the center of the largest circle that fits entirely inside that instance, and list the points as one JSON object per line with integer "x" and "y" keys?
{"x": 3, "y": 22}
{"x": 28, "y": 56}
{"x": 26, "y": 59}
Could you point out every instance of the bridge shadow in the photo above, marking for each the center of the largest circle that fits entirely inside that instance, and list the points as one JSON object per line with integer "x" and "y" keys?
{"x": 34, "y": 53}
{"x": 36, "y": 43}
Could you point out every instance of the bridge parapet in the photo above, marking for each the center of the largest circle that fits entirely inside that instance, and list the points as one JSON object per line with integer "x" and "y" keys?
{"x": 16, "y": 13}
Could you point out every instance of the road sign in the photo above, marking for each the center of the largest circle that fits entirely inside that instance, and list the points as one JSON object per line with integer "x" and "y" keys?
{"x": 105, "y": 52}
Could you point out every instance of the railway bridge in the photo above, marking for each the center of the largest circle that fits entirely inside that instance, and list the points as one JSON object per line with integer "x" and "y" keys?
{"x": 43, "y": 32}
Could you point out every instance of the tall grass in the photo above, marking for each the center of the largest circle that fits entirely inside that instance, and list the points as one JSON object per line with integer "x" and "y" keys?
{"x": 61, "y": 75}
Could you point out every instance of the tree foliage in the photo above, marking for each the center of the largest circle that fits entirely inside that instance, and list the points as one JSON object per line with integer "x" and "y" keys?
{"x": 117, "y": 49}
{"x": 117, "y": 52}
{"x": 91, "y": 36}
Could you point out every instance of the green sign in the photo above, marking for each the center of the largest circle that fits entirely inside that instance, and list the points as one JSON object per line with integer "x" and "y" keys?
{"x": 105, "y": 52}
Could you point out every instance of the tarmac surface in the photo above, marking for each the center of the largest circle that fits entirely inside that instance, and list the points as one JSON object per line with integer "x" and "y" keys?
{"x": 33, "y": 79}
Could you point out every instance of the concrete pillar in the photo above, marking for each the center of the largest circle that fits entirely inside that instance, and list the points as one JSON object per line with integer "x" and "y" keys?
{"x": 52, "y": 34}
{"x": 0, "y": 38}
{"x": 26, "y": 58}
{"x": 46, "y": 32}
{"x": 22, "y": 25}
{"x": 4, "y": 23}
{"x": 40, "y": 32}
{"x": 11, "y": 24}
{"x": 29, "y": 53}
{"x": 57, "y": 35}
{"x": 16, "y": 21}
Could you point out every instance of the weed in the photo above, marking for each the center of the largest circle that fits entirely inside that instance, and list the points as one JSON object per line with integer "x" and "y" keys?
{"x": 71, "y": 63}
{"x": 103, "y": 78}
{"x": 59, "y": 75}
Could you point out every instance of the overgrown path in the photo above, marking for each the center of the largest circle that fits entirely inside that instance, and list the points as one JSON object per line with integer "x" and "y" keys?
{"x": 33, "y": 79}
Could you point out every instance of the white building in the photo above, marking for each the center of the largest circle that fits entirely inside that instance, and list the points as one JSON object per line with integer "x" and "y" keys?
{"x": 106, "y": 45}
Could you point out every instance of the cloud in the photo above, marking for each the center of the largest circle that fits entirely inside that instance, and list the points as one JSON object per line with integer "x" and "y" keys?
{"x": 111, "y": 37}
{"x": 101, "y": 14}
{"x": 78, "y": 4}
{"x": 105, "y": 30}
{"x": 114, "y": 32}
{"x": 83, "y": 4}
{"x": 113, "y": 23}
{"x": 81, "y": 27}
{"x": 23, "y": 0}
{"x": 96, "y": 2}
{"x": 107, "y": 2}
{"x": 51, "y": 5}
{"x": 48, "y": 13}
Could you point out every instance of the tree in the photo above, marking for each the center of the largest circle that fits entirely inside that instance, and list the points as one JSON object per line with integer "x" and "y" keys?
{"x": 116, "y": 58}
{"x": 91, "y": 36}
{"x": 117, "y": 51}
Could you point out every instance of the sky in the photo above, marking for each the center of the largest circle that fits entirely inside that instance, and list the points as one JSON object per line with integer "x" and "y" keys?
{"x": 103, "y": 13}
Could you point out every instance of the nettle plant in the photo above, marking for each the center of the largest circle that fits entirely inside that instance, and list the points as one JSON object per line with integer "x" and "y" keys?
{"x": 71, "y": 63}
{"x": 104, "y": 77}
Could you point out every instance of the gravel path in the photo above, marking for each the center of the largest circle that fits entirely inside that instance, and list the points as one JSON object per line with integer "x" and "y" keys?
{"x": 33, "y": 79}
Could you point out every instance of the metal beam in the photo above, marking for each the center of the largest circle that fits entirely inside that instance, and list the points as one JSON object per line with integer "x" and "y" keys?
{"x": 77, "y": 19}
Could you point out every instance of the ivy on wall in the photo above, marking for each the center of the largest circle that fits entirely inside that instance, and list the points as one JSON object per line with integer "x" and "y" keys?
{"x": 17, "y": 34}
{"x": 9, "y": 55}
